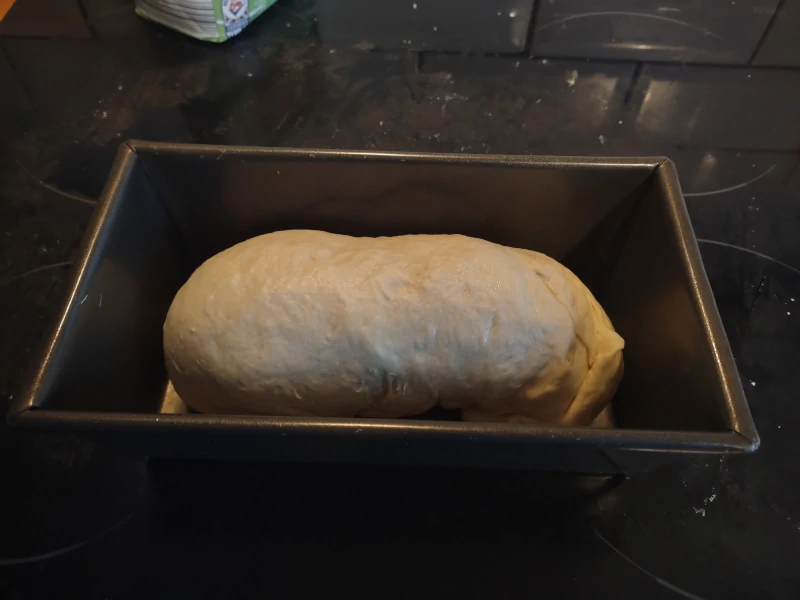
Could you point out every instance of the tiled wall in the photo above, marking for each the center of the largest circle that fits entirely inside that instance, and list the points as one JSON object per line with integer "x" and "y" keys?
{"x": 662, "y": 68}
{"x": 482, "y": 26}
{"x": 781, "y": 46}
{"x": 633, "y": 71}
{"x": 724, "y": 32}
{"x": 738, "y": 32}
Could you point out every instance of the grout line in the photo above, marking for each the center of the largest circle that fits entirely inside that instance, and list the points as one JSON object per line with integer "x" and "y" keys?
{"x": 637, "y": 74}
{"x": 86, "y": 20}
{"x": 612, "y": 61}
{"x": 767, "y": 30}
{"x": 528, "y": 50}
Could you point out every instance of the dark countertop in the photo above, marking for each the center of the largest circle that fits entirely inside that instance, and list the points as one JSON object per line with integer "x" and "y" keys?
{"x": 80, "y": 521}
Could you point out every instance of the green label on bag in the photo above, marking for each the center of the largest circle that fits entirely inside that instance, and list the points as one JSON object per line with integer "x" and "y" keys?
{"x": 210, "y": 20}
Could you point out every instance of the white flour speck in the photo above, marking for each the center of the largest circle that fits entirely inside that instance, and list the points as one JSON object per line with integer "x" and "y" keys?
{"x": 435, "y": 28}
{"x": 512, "y": 14}
{"x": 700, "y": 511}
{"x": 602, "y": 139}
{"x": 414, "y": 6}
{"x": 753, "y": 383}
{"x": 571, "y": 77}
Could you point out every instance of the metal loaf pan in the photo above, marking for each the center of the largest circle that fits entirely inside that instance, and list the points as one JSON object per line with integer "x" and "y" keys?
{"x": 620, "y": 224}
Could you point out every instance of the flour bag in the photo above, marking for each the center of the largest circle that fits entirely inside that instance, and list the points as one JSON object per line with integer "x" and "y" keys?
{"x": 209, "y": 20}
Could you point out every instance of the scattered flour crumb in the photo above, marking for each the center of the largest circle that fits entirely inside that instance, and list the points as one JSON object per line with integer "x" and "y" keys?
{"x": 414, "y": 6}
{"x": 753, "y": 383}
{"x": 602, "y": 139}
{"x": 700, "y": 511}
{"x": 572, "y": 77}
{"x": 512, "y": 14}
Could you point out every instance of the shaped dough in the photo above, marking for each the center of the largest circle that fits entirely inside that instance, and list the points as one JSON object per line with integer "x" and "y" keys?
{"x": 308, "y": 323}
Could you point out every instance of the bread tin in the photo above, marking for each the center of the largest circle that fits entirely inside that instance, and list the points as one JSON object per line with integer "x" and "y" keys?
{"x": 619, "y": 223}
